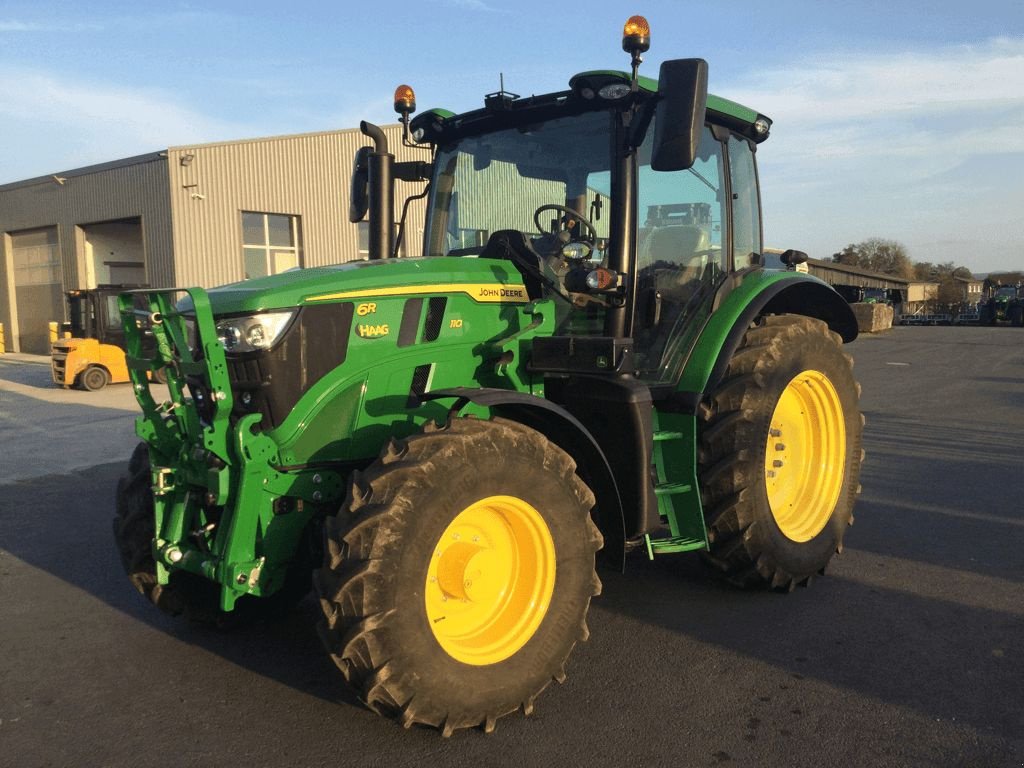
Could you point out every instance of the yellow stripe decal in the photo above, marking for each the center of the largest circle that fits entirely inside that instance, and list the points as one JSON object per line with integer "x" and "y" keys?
{"x": 481, "y": 292}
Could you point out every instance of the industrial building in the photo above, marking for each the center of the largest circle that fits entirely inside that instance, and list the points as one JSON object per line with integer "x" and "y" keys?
{"x": 194, "y": 215}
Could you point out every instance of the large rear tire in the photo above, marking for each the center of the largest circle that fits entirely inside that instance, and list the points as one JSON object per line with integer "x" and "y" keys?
{"x": 458, "y": 575}
{"x": 780, "y": 454}
{"x": 1016, "y": 315}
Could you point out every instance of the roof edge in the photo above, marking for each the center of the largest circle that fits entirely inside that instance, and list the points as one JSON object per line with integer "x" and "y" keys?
{"x": 85, "y": 170}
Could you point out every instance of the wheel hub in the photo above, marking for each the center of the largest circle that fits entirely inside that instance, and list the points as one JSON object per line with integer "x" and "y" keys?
{"x": 490, "y": 580}
{"x": 805, "y": 456}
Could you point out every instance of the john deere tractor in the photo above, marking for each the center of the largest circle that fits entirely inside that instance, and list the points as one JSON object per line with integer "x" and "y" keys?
{"x": 588, "y": 352}
{"x": 1006, "y": 304}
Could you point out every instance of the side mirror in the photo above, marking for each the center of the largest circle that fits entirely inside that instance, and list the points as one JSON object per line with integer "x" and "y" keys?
{"x": 359, "y": 196}
{"x": 679, "y": 119}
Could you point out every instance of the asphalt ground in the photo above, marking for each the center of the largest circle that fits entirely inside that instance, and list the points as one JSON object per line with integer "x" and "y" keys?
{"x": 910, "y": 652}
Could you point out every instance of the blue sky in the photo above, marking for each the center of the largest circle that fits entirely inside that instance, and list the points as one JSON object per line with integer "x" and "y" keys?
{"x": 893, "y": 119}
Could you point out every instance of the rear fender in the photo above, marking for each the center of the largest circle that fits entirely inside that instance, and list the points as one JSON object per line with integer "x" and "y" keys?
{"x": 568, "y": 433}
{"x": 760, "y": 294}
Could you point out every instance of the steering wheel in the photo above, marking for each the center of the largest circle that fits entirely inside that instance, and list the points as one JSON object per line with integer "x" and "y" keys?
{"x": 591, "y": 230}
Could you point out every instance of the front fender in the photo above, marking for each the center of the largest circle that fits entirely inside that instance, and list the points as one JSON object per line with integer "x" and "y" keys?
{"x": 568, "y": 433}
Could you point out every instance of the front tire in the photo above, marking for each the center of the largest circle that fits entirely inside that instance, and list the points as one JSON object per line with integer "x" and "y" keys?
{"x": 458, "y": 575}
{"x": 188, "y": 594}
{"x": 134, "y": 525}
{"x": 94, "y": 378}
{"x": 780, "y": 454}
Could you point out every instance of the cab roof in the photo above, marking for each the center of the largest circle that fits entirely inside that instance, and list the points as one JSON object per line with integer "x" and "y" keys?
{"x": 441, "y": 125}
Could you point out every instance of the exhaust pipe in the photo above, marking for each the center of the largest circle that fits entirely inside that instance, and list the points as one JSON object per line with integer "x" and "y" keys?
{"x": 380, "y": 165}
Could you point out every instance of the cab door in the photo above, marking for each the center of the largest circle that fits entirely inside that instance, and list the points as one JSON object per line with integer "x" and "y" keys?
{"x": 694, "y": 227}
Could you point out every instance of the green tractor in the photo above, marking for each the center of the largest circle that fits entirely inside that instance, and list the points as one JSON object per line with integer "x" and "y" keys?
{"x": 1006, "y": 304}
{"x": 588, "y": 354}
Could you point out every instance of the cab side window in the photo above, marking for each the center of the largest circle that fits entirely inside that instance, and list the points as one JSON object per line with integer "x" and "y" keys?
{"x": 746, "y": 209}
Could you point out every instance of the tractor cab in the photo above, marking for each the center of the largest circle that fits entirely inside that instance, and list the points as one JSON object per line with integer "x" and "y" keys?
{"x": 631, "y": 206}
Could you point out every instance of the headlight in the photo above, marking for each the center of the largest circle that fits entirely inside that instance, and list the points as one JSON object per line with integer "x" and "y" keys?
{"x": 576, "y": 251}
{"x": 252, "y": 333}
{"x": 614, "y": 91}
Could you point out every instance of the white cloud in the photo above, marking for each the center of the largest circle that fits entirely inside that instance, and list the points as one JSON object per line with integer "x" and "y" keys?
{"x": 74, "y": 123}
{"x": 31, "y": 26}
{"x": 895, "y": 144}
{"x": 18, "y": 26}
{"x": 475, "y": 5}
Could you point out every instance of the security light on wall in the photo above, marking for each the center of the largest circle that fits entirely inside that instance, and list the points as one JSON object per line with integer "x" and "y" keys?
{"x": 186, "y": 160}
{"x": 59, "y": 179}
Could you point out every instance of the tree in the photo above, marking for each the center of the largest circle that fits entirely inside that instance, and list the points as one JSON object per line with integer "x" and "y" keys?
{"x": 949, "y": 295}
{"x": 924, "y": 270}
{"x": 886, "y": 256}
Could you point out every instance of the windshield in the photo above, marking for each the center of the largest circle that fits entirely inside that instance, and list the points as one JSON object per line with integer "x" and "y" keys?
{"x": 497, "y": 181}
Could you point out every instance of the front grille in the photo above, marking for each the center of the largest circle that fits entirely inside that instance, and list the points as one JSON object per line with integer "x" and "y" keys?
{"x": 58, "y": 364}
{"x": 270, "y": 383}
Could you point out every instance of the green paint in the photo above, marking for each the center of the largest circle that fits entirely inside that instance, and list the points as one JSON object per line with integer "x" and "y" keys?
{"x": 231, "y": 502}
{"x": 677, "y": 491}
{"x": 711, "y": 337}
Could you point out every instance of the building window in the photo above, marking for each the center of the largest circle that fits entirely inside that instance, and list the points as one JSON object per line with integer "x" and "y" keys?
{"x": 363, "y": 246}
{"x": 363, "y": 240}
{"x": 271, "y": 243}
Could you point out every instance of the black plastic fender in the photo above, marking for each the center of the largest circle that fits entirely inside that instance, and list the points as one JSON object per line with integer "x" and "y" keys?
{"x": 567, "y": 432}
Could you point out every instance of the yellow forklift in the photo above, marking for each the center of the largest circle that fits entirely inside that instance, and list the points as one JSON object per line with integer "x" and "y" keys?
{"x": 92, "y": 356}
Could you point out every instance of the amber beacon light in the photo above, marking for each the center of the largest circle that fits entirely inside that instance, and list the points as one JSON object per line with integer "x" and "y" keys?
{"x": 405, "y": 100}
{"x": 636, "y": 35}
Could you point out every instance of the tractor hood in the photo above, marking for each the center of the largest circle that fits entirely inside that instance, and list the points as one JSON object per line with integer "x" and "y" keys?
{"x": 482, "y": 279}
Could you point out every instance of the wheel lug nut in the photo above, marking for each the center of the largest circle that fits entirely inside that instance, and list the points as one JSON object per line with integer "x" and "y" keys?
{"x": 770, "y": 473}
{"x": 775, "y": 432}
{"x": 776, "y": 463}
{"x": 780, "y": 446}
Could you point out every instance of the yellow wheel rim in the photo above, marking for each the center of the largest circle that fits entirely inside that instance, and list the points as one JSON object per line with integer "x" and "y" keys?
{"x": 805, "y": 456}
{"x": 490, "y": 580}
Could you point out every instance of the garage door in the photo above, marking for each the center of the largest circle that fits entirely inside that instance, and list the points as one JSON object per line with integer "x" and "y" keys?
{"x": 37, "y": 287}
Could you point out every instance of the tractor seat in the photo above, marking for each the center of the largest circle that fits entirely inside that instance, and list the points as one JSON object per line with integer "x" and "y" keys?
{"x": 675, "y": 257}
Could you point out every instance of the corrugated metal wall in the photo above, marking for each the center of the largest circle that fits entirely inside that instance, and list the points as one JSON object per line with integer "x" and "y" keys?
{"x": 135, "y": 187}
{"x": 92, "y": 195}
{"x": 304, "y": 175}
{"x": 190, "y": 201}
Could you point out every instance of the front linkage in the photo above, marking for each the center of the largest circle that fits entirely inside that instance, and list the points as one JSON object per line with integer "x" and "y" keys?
{"x": 200, "y": 458}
